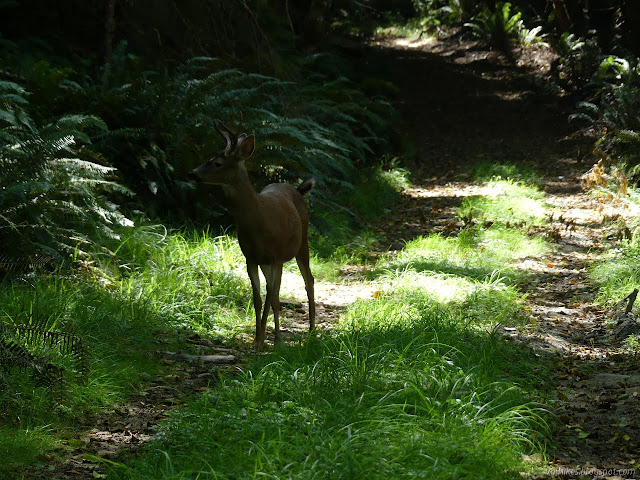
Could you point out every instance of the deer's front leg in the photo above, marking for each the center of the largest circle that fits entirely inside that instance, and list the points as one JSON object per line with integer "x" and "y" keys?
{"x": 273, "y": 276}
{"x": 254, "y": 278}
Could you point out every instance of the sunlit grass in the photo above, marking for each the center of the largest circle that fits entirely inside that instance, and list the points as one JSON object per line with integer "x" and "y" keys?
{"x": 393, "y": 392}
{"x": 618, "y": 275}
{"x": 197, "y": 280}
{"x": 494, "y": 299}
{"x": 474, "y": 253}
{"x": 508, "y": 203}
{"x": 486, "y": 171}
{"x": 405, "y": 387}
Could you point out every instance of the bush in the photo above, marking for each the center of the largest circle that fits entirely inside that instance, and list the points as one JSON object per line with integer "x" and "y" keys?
{"x": 54, "y": 201}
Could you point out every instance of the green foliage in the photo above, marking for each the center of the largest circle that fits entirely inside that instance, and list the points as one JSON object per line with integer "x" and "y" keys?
{"x": 36, "y": 347}
{"x": 157, "y": 288}
{"x": 486, "y": 171}
{"x": 474, "y": 253}
{"x": 612, "y": 109}
{"x": 197, "y": 280}
{"x": 403, "y": 388}
{"x": 619, "y": 274}
{"x": 321, "y": 127}
{"x": 377, "y": 190}
{"x": 616, "y": 103}
{"x": 528, "y": 37}
{"x": 499, "y": 27}
{"x": 55, "y": 196}
{"x": 506, "y": 202}
{"x": 579, "y": 60}
{"x": 22, "y": 447}
{"x": 450, "y": 10}
{"x": 372, "y": 196}
{"x": 332, "y": 398}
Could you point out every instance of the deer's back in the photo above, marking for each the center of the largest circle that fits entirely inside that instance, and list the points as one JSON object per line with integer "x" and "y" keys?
{"x": 276, "y": 235}
{"x": 291, "y": 194}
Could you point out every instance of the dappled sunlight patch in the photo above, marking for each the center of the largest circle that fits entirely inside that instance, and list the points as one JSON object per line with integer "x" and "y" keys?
{"x": 484, "y": 303}
{"x": 474, "y": 253}
{"x": 618, "y": 274}
{"x": 418, "y": 42}
{"x": 512, "y": 245}
{"x": 189, "y": 277}
{"x": 506, "y": 202}
{"x": 442, "y": 288}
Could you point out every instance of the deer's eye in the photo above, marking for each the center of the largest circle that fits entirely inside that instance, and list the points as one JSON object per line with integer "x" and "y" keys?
{"x": 215, "y": 162}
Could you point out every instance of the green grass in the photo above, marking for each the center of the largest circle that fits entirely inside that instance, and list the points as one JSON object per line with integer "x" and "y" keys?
{"x": 23, "y": 447}
{"x": 163, "y": 287}
{"x": 475, "y": 253}
{"x": 485, "y": 302}
{"x": 405, "y": 387}
{"x": 506, "y": 202}
{"x": 377, "y": 191}
{"x": 198, "y": 281}
{"x": 619, "y": 274}
{"x": 339, "y": 236}
{"x": 414, "y": 383}
{"x": 486, "y": 171}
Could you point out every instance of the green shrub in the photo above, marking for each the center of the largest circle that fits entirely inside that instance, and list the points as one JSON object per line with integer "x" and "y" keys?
{"x": 164, "y": 126}
{"x": 57, "y": 195}
{"x": 499, "y": 27}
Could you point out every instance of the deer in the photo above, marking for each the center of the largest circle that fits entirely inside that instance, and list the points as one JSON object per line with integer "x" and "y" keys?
{"x": 272, "y": 226}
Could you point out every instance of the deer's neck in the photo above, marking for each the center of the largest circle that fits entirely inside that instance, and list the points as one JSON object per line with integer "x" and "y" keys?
{"x": 241, "y": 198}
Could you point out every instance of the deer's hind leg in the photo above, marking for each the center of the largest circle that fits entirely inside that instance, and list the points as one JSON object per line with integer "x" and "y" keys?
{"x": 302, "y": 259}
{"x": 273, "y": 276}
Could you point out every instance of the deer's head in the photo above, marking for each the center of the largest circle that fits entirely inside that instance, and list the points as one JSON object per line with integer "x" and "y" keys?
{"x": 225, "y": 166}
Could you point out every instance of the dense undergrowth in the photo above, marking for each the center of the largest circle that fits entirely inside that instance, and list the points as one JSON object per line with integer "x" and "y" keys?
{"x": 413, "y": 382}
{"x": 402, "y": 388}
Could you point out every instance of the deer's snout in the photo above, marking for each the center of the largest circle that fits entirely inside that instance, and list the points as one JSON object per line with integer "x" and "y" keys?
{"x": 193, "y": 176}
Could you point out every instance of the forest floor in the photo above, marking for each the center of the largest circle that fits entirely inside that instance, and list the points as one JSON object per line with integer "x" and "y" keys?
{"x": 461, "y": 103}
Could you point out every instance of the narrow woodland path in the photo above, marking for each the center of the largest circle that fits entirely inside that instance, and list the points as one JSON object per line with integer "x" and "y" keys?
{"x": 461, "y": 103}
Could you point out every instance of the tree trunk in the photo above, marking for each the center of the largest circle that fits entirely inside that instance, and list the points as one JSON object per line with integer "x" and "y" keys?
{"x": 602, "y": 15}
{"x": 632, "y": 11}
{"x": 316, "y": 21}
{"x": 563, "y": 21}
{"x": 109, "y": 29}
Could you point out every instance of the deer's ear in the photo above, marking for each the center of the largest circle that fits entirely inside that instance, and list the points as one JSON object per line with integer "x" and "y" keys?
{"x": 247, "y": 146}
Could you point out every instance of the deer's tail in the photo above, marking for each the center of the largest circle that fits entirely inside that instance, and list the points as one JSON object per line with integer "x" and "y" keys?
{"x": 306, "y": 186}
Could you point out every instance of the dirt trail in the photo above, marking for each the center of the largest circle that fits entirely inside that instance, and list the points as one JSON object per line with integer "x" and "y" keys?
{"x": 459, "y": 104}
{"x": 462, "y": 103}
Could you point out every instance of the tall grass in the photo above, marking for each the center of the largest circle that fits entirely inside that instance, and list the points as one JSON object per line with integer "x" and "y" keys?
{"x": 619, "y": 274}
{"x": 475, "y": 253}
{"x": 162, "y": 287}
{"x": 196, "y": 280}
{"x": 404, "y": 388}
{"x": 413, "y": 383}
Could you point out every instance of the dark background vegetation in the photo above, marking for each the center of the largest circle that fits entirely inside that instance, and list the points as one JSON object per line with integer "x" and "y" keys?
{"x": 132, "y": 89}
